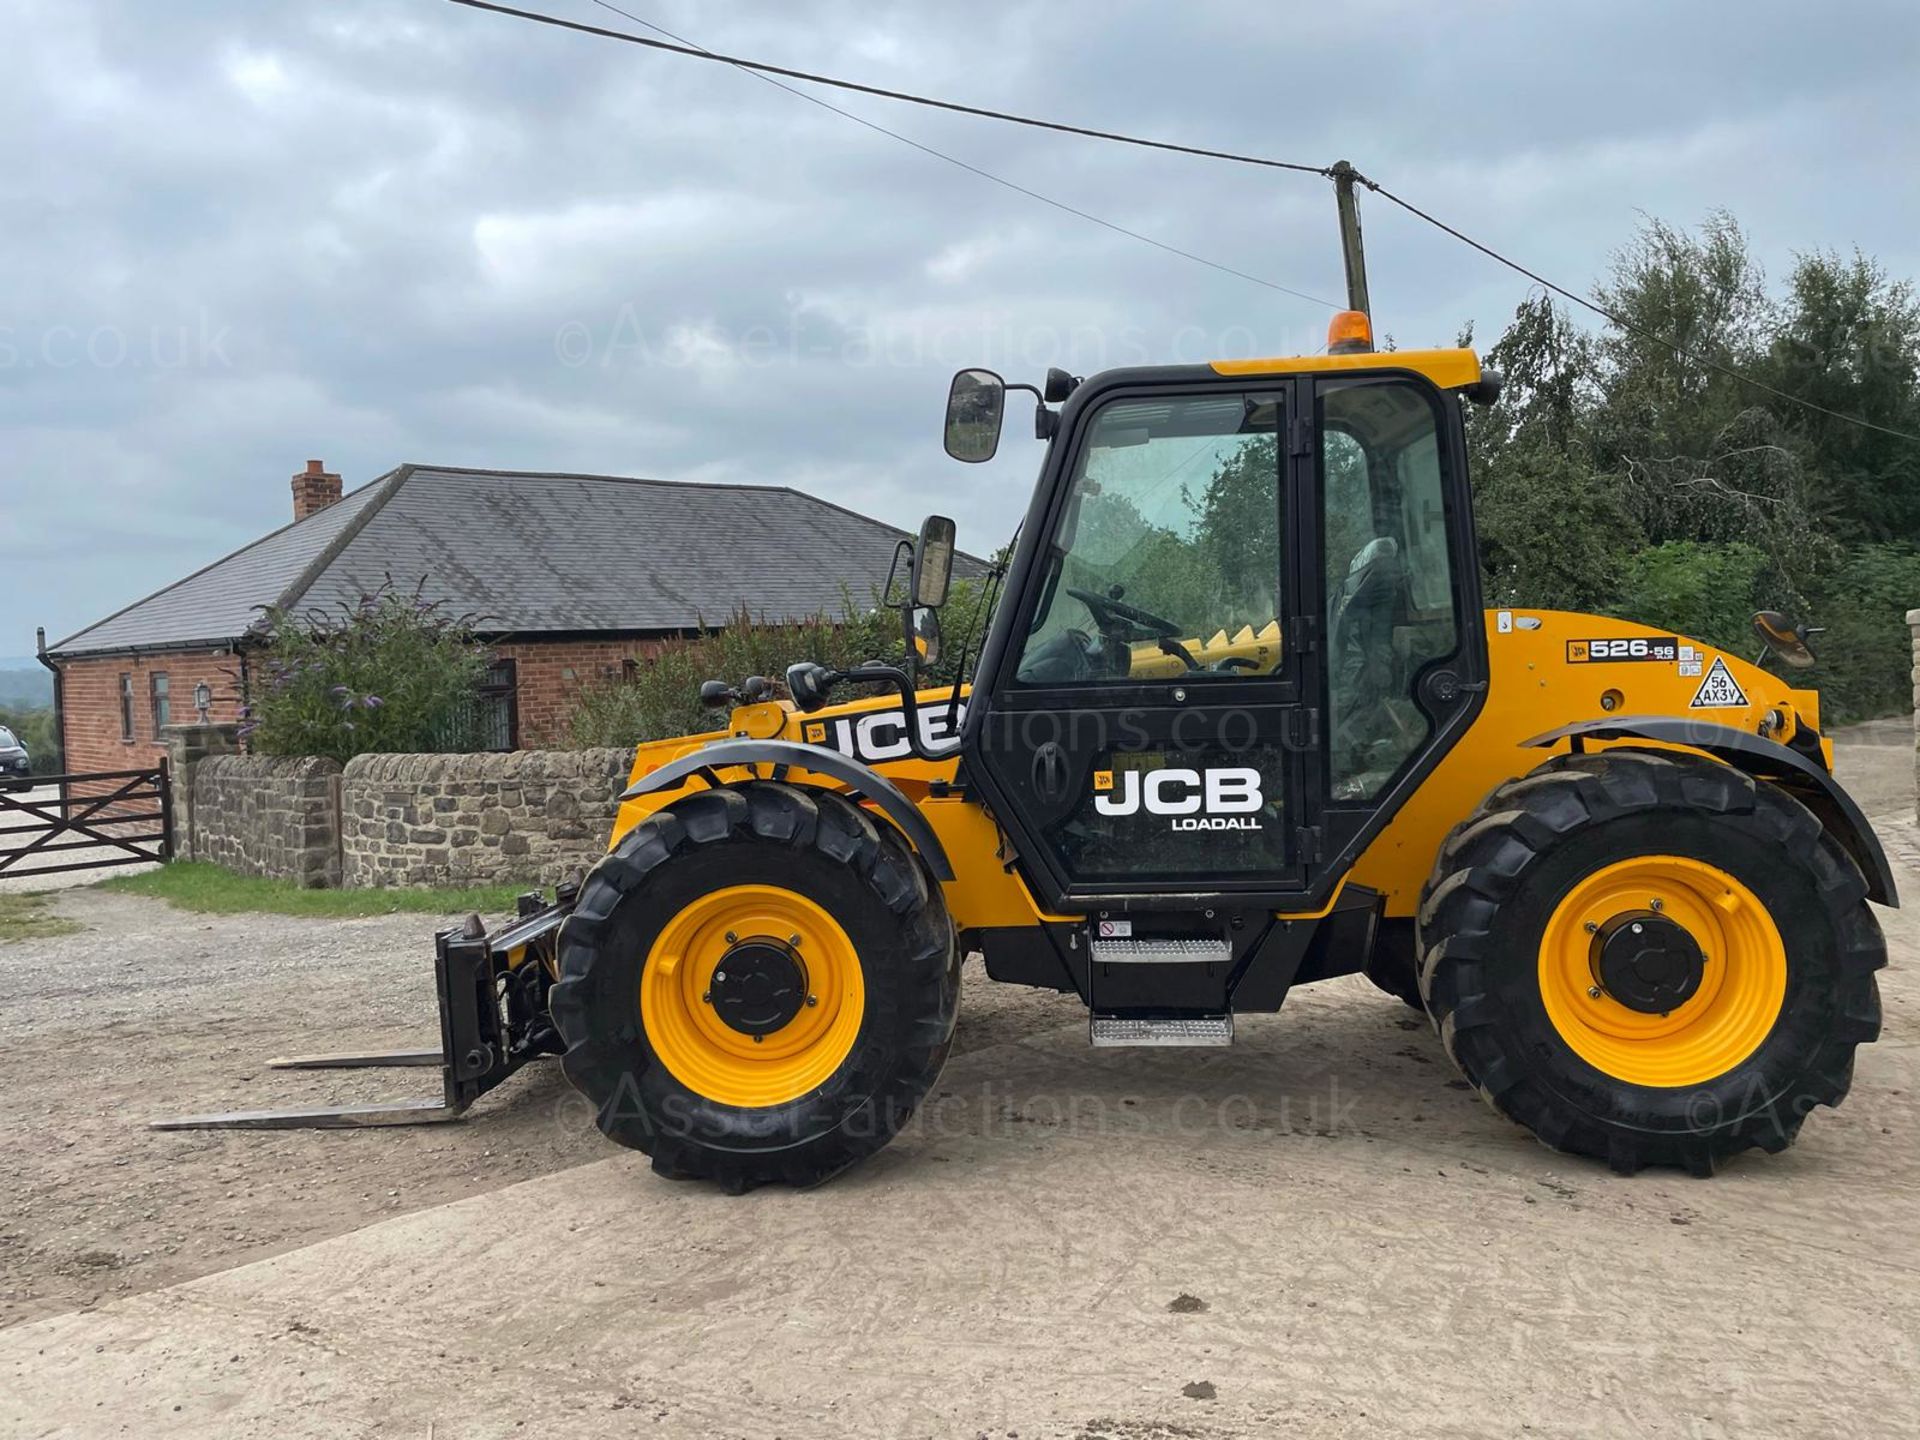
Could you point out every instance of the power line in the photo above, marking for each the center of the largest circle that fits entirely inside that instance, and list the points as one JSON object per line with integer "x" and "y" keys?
{"x": 765, "y": 70}
{"x": 760, "y": 66}
{"x": 1621, "y": 321}
{"x": 968, "y": 166}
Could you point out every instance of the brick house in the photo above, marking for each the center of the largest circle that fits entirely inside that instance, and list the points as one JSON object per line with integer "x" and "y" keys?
{"x": 570, "y": 578}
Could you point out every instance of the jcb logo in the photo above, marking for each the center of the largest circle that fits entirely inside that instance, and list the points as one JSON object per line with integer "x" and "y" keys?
{"x": 1214, "y": 799}
{"x": 881, "y": 735}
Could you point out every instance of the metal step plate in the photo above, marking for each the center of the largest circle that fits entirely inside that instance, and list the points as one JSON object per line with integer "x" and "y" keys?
{"x": 1162, "y": 1030}
{"x": 1161, "y": 952}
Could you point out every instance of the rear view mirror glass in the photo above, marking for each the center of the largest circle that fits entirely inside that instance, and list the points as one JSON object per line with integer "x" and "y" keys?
{"x": 976, "y": 404}
{"x": 933, "y": 561}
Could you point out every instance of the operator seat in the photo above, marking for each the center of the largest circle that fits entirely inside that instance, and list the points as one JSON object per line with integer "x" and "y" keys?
{"x": 1362, "y": 678}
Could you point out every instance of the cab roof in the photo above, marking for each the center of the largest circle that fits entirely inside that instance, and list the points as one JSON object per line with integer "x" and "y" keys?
{"x": 1448, "y": 369}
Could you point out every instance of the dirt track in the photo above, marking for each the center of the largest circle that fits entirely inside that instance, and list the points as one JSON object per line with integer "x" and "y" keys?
{"x": 1316, "y": 1231}
{"x": 150, "y": 1012}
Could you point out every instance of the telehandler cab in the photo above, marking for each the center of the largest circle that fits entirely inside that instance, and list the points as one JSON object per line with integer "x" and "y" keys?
{"x": 1239, "y": 723}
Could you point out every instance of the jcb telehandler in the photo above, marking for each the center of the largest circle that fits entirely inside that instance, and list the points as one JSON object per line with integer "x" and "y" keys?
{"x": 1239, "y": 723}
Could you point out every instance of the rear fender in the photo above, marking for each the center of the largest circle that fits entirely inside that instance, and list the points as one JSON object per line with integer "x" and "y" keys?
{"x": 1812, "y": 785}
{"x": 863, "y": 780}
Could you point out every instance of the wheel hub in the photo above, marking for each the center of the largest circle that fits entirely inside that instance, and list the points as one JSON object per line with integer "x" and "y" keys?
{"x": 759, "y": 985}
{"x": 1646, "y": 962}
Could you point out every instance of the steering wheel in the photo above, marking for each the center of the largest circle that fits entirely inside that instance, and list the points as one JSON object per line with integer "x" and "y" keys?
{"x": 1116, "y": 618}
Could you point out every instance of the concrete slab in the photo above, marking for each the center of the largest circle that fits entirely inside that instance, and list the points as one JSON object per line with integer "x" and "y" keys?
{"x": 1075, "y": 1243}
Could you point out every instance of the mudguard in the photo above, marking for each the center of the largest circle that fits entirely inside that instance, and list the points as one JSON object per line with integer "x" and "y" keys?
{"x": 1813, "y": 785}
{"x": 861, "y": 779}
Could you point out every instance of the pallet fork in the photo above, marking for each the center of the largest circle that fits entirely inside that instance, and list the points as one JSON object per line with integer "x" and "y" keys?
{"x": 493, "y": 1019}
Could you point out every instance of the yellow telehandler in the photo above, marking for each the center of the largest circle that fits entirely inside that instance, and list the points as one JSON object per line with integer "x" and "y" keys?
{"x": 1239, "y": 722}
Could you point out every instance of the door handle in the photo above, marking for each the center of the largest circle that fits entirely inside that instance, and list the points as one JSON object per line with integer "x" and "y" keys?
{"x": 1050, "y": 771}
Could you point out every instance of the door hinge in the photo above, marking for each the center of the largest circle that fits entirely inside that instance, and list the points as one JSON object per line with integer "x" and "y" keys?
{"x": 1302, "y": 440}
{"x": 1307, "y": 842}
{"x": 1303, "y": 727}
{"x": 1303, "y": 633}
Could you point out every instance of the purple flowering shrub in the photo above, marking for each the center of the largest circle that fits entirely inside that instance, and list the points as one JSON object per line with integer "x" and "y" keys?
{"x": 391, "y": 674}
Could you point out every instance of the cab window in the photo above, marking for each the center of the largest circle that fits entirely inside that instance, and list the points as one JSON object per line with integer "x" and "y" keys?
{"x": 1166, "y": 563}
{"x": 1389, "y": 574}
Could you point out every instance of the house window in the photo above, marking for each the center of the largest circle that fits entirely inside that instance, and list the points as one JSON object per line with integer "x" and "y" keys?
{"x": 159, "y": 692}
{"x": 497, "y": 708}
{"x": 126, "y": 706}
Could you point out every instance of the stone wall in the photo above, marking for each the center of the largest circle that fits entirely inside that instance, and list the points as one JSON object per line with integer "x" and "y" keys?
{"x": 1913, "y": 624}
{"x": 262, "y": 815}
{"x": 533, "y": 816}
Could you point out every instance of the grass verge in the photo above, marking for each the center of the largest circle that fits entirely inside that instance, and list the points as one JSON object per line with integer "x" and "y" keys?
{"x": 214, "y": 890}
{"x": 26, "y": 917}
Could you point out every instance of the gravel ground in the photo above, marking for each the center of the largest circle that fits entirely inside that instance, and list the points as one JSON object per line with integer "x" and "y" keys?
{"x": 150, "y": 1012}
{"x": 1347, "y": 1241}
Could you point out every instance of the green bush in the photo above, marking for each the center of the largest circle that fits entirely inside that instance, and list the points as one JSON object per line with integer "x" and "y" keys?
{"x": 661, "y": 697}
{"x": 392, "y": 674}
{"x": 1866, "y": 654}
{"x": 1705, "y": 592}
{"x": 1709, "y": 592}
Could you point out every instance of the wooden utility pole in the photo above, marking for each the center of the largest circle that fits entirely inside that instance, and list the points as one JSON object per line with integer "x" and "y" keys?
{"x": 1350, "y": 247}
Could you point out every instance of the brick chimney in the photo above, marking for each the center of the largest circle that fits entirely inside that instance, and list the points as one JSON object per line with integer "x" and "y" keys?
{"x": 314, "y": 489}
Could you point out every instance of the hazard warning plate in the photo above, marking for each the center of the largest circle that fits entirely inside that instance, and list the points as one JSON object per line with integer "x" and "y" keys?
{"x": 1719, "y": 690}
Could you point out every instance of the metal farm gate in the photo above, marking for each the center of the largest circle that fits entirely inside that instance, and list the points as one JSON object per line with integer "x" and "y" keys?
{"x": 86, "y": 822}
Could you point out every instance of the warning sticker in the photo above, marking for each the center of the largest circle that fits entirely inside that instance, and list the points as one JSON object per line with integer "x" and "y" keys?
{"x": 1719, "y": 691}
{"x": 1116, "y": 929}
{"x": 1689, "y": 668}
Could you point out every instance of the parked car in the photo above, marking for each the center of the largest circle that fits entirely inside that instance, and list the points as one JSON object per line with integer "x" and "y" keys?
{"x": 15, "y": 765}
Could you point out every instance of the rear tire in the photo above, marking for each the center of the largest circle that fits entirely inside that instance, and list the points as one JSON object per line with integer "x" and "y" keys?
{"x": 799, "y": 1119}
{"x": 1788, "y": 989}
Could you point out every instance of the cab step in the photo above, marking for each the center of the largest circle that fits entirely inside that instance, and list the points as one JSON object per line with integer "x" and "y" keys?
{"x": 1116, "y": 1031}
{"x": 1162, "y": 951}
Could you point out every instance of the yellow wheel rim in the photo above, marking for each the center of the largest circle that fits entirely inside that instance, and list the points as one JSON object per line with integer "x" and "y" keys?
{"x": 1743, "y": 979}
{"x": 710, "y": 1057}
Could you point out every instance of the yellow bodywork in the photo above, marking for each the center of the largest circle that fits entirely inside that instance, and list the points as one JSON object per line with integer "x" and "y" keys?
{"x": 1545, "y": 671}
{"x": 1449, "y": 369}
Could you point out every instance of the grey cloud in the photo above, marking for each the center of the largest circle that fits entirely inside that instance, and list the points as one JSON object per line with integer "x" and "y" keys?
{"x": 370, "y": 230}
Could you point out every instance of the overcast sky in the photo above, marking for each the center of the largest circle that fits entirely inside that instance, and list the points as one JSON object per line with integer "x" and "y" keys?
{"x": 238, "y": 235}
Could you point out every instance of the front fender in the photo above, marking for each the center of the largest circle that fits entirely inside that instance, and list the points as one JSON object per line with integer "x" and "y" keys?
{"x": 861, "y": 779}
{"x": 1763, "y": 759}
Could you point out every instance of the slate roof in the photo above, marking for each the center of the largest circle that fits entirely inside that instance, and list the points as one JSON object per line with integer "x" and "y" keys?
{"x": 526, "y": 554}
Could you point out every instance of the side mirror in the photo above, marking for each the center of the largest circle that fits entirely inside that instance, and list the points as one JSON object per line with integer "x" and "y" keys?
{"x": 976, "y": 404}
{"x": 926, "y": 636}
{"x": 933, "y": 562}
{"x": 1784, "y": 638}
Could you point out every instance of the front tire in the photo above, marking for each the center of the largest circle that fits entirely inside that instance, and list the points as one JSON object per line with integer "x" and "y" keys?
{"x": 836, "y": 1016}
{"x": 1651, "y": 959}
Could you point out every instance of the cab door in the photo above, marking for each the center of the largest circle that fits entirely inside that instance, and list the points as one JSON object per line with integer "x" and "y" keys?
{"x": 1397, "y": 592}
{"x": 1146, "y": 727}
